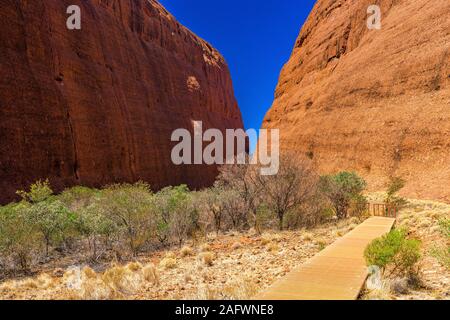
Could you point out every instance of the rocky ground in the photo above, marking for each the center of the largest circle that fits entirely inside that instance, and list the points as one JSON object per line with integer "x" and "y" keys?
{"x": 231, "y": 266}
{"x": 238, "y": 266}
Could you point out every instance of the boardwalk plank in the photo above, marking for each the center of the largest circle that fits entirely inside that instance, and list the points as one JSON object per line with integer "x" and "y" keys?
{"x": 336, "y": 273}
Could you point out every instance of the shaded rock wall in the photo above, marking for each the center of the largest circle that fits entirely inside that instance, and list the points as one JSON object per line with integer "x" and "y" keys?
{"x": 98, "y": 105}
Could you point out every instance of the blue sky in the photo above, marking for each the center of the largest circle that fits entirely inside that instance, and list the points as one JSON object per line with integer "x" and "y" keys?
{"x": 256, "y": 38}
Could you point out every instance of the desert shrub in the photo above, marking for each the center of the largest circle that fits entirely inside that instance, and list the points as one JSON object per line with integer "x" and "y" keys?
{"x": 394, "y": 253}
{"x": 444, "y": 225}
{"x": 234, "y": 209}
{"x": 295, "y": 184}
{"x": 186, "y": 251}
{"x": 342, "y": 190}
{"x": 18, "y": 238}
{"x": 51, "y": 219}
{"x": 212, "y": 201}
{"x": 95, "y": 225}
{"x": 78, "y": 197}
{"x": 39, "y": 191}
{"x": 224, "y": 207}
{"x": 176, "y": 214}
{"x": 442, "y": 254}
{"x": 242, "y": 180}
{"x": 441, "y": 249}
{"x": 311, "y": 213}
{"x": 207, "y": 258}
{"x": 46, "y": 214}
{"x": 130, "y": 207}
{"x": 265, "y": 218}
{"x": 394, "y": 186}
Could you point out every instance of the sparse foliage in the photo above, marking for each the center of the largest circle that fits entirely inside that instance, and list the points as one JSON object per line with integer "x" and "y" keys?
{"x": 293, "y": 186}
{"x": 392, "y": 199}
{"x": 343, "y": 189}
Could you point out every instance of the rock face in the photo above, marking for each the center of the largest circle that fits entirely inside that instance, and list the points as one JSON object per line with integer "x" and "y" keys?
{"x": 374, "y": 101}
{"x": 98, "y": 105}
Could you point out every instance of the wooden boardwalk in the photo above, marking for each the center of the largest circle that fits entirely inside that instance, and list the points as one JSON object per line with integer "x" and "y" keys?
{"x": 337, "y": 273}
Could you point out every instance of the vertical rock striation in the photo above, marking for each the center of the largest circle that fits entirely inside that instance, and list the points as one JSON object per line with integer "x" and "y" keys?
{"x": 375, "y": 101}
{"x": 98, "y": 105}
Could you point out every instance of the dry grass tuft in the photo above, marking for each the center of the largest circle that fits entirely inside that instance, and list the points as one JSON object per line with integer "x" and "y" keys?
{"x": 265, "y": 240}
{"x": 134, "y": 266}
{"x": 273, "y": 247}
{"x": 186, "y": 251}
{"x": 307, "y": 236}
{"x": 168, "y": 263}
{"x": 89, "y": 273}
{"x": 207, "y": 258}
{"x": 45, "y": 281}
{"x": 241, "y": 289}
{"x": 150, "y": 273}
{"x": 170, "y": 255}
{"x": 122, "y": 280}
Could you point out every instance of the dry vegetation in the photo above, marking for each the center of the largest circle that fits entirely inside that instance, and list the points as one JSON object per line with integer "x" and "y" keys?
{"x": 426, "y": 221}
{"x": 229, "y": 266}
{"x": 127, "y": 242}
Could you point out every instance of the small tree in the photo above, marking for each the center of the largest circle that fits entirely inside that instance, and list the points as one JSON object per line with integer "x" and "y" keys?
{"x": 176, "y": 213}
{"x": 18, "y": 239}
{"x": 94, "y": 224}
{"x": 342, "y": 189}
{"x": 242, "y": 179}
{"x": 51, "y": 218}
{"x": 394, "y": 186}
{"x": 213, "y": 201}
{"x": 130, "y": 207}
{"x": 294, "y": 185}
{"x": 45, "y": 213}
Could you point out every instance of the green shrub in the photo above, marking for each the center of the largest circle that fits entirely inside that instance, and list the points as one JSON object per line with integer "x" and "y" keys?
{"x": 39, "y": 191}
{"x": 445, "y": 227}
{"x": 394, "y": 253}
{"x": 78, "y": 197}
{"x": 18, "y": 239}
{"x": 130, "y": 207}
{"x": 94, "y": 224}
{"x": 45, "y": 213}
{"x": 342, "y": 190}
{"x": 51, "y": 219}
{"x": 176, "y": 214}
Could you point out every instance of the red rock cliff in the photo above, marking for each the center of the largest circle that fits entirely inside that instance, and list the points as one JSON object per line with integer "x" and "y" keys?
{"x": 99, "y": 105}
{"x": 375, "y": 101}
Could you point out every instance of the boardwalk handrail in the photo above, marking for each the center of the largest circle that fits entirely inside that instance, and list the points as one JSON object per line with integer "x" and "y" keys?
{"x": 382, "y": 210}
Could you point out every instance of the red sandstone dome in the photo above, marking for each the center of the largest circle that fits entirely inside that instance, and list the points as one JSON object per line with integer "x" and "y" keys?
{"x": 98, "y": 105}
{"x": 374, "y": 101}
